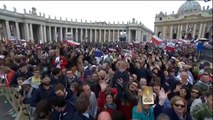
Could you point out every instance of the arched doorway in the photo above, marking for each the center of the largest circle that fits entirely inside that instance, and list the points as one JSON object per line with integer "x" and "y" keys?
{"x": 207, "y": 35}
{"x": 189, "y": 36}
{"x": 159, "y": 34}
{"x": 174, "y": 36}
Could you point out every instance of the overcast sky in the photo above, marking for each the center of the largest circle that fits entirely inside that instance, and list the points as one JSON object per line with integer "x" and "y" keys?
{"x": 143, "y": 11}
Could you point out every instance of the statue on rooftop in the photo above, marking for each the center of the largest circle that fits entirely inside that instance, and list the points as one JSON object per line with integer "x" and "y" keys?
{"x": 14, "y": 9}
{"x": 25, "y": 11}
{"x": 5, "y": 7}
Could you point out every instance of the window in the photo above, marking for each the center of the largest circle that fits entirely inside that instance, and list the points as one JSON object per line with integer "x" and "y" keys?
{"x": 160, "y": 18}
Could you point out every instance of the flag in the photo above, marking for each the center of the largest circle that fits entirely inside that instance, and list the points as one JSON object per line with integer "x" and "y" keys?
{"x": 71, "y": 43}
{"x": 170, "y": 48}
{"x": 156, "y": 40}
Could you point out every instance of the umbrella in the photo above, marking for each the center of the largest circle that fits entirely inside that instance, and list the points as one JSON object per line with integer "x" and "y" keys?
{"x": 112, "y": 50}
{"x": 71, "y": 43}
{"x": 203, "y": 39}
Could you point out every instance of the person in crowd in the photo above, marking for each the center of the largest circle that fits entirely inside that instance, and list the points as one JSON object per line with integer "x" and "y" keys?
{"x": 195, "y": 93}
{"x": 143, "y": 82}
{"x": 35, "y": 79}
{"x": 22, "y": 72}
{"x": 59, "y": 61}
{"x": 177, "y": 110}
{"x": 163, "y": 116}
{"x": 144, "y": 111}
{"x": 60, "y": 90}
{"x": 204, "y": 111}
{"x": 62, "y": 109}
{"x": 45, "y": 87}
{"x": 93, "y": 104}
{"x": 56, "y": 77}
{"x": 42, "y": 111}
{"x": 8, "y": 75}
{"x": 70, "y": 78}
{"x": 30, "y": 95}
{"x": 82, "y": 105}
{"x": 93, "y": 83}
{"x": 75, "y": 89}
{"x": 104, "y": 116}
{"x": 204, "y": 83}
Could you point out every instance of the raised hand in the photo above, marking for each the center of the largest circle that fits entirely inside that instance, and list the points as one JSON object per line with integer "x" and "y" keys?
{"x": 120, "y": 82}
{"x": 103, "y": 86}
{"x": 162, "y": 96}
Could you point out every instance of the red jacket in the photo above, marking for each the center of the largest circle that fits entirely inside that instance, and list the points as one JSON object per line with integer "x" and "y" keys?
{"x": 63, "y": 63}
{"x": 10, "y": 76}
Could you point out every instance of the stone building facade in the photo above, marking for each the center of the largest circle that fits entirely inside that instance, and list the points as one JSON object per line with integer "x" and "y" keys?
{"x": 39, "y": 28}
{"x": 190, "y": 22}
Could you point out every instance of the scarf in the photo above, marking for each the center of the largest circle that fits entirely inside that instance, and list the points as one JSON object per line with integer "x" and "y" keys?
{"x": 110, "y": 106}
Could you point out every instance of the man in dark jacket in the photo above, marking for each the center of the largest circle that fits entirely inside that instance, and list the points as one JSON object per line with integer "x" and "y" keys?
{"x": 62, "y": 109}
{"x": 45, "y": 87}
{"x": 82, "y": 105}
{"x": 22, "y": 72}
{"x": 31, "y": 95}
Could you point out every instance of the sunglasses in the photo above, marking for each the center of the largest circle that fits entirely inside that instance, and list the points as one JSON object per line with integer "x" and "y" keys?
{"x": 179, "y": 105}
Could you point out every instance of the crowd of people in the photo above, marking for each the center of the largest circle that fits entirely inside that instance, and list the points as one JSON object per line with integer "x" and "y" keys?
{"x": 60, "y": 82}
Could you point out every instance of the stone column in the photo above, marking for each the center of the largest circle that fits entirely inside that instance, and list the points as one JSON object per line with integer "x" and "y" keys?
{"x": 141, "y": 36}
{"x": 164, "y": 33}
{"x": 26, "y": 31}
{"x": 203, "y": 31}
{"x": 186, "y": 31}
{"x": 61, "y": 34}
{"x": 55, "y": 34}
{"x": 156, "y": 31}
{"x": 100, "y": 40}
{"x": 95, "y": 36}
{"x": 113, "y": 35}
{"x": 41, "y": 34}
{"x": 86, "y": 35}
{"x": 178, "y": 31}
{"x": 31, "y": 32}
{"x": 71, "y": 31}
{"x": 200, "y": 30}
{"x": 45, "y": 34}
{"x": 118, "y": 35}
{"x": 66, "y": 31}
{"x": 171, "y": 31}
{"x": 194, "y": 30}
{"x": 109, "y": 36}
{"x": 181, "y": 30}
{"x": 90, "y": 35}
{"x": 104, "y": 35}
{"x": 17, "y": 31}
{"x": 50, "y": 35}
{"x": 81, "y": 35}
{"x": 8, "y": 29}
{"x": 186, "y": 27}
{"x": 129, "y": 36}
{"x": 76, "y": 34}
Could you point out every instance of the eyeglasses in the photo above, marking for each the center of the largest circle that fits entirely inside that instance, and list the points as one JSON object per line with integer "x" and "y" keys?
{"x": 179, "y": 105}
{"x": 194, "y": 92}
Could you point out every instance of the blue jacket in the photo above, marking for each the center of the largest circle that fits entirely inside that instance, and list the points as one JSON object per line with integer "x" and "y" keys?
{"x": 142, "y": 115}
{"x": 67, "y": 114}
{"x": 79, "y": 116}
{"x": 34, "y": 99}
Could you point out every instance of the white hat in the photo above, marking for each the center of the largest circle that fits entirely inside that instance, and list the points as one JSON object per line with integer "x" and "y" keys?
{"x": 2, "y": 56}
{"x": 26, "y": 82}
